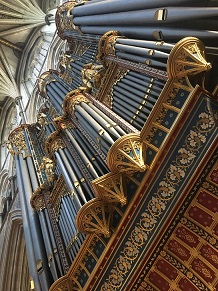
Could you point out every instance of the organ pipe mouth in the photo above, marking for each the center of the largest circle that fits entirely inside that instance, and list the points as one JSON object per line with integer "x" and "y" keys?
{"x": 160, "y": 15}
{"x": 151, "y": 52}
{"x": 158, "y": 35}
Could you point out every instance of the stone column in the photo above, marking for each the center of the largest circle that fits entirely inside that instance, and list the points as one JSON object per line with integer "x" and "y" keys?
{"x": 21, "y": 112}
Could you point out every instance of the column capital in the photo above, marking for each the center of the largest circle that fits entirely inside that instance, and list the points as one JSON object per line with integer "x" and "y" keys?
{"x": 17, "y": 143}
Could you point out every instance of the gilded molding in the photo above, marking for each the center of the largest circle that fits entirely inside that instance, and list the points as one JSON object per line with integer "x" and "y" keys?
{"x": 112, "y": 75}
{"x": 37, "y": 200}
{"x": 187, "y": 58}
{"x": 95, "y": 217}
{"x": 106, "y": 45}
{"x": 127, "y": 155}
{"x": 92, "y": 75}
{"x": 111, "y": 188}
{"x": 62, "y": 122}
{"x": 17, "y": 143}
{"x": 59, "y": 190}
{"x": 44, "y": 80}
{"x": 48, "y": 166}
{"x": 53, "y": 143}
{"x": 175, "y": 174}
{"x": 65, "y": 60}
{"x": 63, "y": 18}
{"x": 41, "y": 119}
{"x": 74, "y": 98}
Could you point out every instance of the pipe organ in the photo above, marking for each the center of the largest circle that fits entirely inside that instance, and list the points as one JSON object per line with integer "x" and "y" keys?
{"x": 112, "y": 109}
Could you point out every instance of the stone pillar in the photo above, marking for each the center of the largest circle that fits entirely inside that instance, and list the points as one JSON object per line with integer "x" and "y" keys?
{"x": 21, "y": 112}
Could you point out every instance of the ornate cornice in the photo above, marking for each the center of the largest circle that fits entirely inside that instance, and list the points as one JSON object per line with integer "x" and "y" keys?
{"x": 111, "y": 188}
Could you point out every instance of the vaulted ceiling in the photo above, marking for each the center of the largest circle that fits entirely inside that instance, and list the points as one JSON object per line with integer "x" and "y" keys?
{"x": 20, "y": 21}
{"x": 17, "y": 20}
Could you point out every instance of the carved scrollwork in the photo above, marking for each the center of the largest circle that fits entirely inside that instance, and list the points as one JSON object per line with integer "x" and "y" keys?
{"x": 127, "y": 155}
{"x": 92, "y": 75}
{"x": 73, "y": 98}
{"x": 187, "y": 58}
{"x": 65, "y": 284}
{"x": 59, "y": 190}
{"x": 95, "y": 217}
{"x": 111, "y": 188}
{"x": 44, "y": 80}
{"x": 53, "y": 143}
{"x": 17, "y": 142}
{"x": 106, "y": 45}
{"x": 37, "y": 200}
{"x": 63, "y": 18}
{"x": 48, "y": 166}
{"x": 65, "y": 60}
{"x": 62, "y": 122}
{"x": 41, "y": 119}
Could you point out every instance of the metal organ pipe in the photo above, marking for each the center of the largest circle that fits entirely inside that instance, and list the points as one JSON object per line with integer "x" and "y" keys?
{"x": 110, "y": 6}
{"x": 148, "y": 16}
{"x": 144, "y": 60}
{"x": 163, "y": 46}
{"x": 108, "y": 119}
{"x": 74, "y": 181}
{"x": 81, "y": 179}
{"x": 82, "y": 154}
{"x": 91, "y": 154}
{"x": 26, "y": 225}
{"x": 58, "y": 91}
{"x": 55, "y": 102}
{"x": 141, "y": 51}
{"x": 45, "y": 276}
{"x": 100, "y": 120}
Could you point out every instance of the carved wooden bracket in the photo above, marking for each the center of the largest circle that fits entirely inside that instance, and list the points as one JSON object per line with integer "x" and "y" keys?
{"x": 94, "y": 217}
{"x": 127, "y": 155}
{"x": 187, "y": 58}
{"x": 111, "y": 188}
